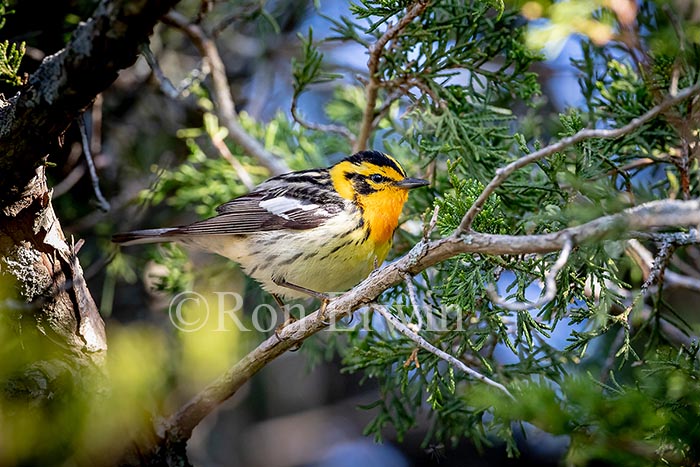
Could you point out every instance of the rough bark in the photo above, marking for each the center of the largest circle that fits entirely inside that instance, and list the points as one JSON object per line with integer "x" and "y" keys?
{"x": 42, "y": 289}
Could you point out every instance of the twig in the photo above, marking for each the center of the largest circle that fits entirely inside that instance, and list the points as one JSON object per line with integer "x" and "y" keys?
{"x": 223, "y": 99}
{"x": 166, "y": 85}
{"x": 430, "y": 226}
{"x": 177, "y": 93}
{"x": 224, "y": 151}
{"x": 339, "y": 129}
{"x": 645, "y": 260}
{"x": 102, "y": 202}
{"x": 372, "y": 87}
{"x": 413, "y": 297}
{"x": 386, "y": 106}
{"x": 182, "y": 91}
{"x": 550, "y": 284}
{"x": 655, "y": 273}
{"x": 617, "y": 343}
{"x": 245, "y": 13}
{"x": 424, "y": 344}
{"x": 405, "y": 83}
{"x": 504, "y": 172}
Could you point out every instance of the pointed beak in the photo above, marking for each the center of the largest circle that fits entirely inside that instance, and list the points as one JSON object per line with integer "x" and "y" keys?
{"x": 408, "y": 183}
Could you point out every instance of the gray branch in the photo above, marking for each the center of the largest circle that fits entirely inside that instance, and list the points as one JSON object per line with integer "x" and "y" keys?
{"x": 658, "y": 214}
{"x": 424, "y": 344}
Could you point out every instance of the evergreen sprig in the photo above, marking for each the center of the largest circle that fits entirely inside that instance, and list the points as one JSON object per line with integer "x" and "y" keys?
{"x": 11, "y": 55}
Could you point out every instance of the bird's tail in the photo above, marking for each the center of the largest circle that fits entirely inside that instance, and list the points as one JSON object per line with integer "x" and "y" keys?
{"x": 139, "y": 237}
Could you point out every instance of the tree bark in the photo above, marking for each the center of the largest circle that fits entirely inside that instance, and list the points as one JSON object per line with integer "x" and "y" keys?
{"x": 43, "y": 295}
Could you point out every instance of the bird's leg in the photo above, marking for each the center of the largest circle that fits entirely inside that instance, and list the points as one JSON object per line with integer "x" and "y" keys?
{"x": 325, "y": 298}
{"x": 288, "y": 319}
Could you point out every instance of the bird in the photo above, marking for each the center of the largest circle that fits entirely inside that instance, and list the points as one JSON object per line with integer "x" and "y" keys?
{"x": 309, "y": 232}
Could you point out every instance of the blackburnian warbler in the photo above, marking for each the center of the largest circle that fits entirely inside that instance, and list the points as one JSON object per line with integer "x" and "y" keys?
{"x": 320, "y": 230}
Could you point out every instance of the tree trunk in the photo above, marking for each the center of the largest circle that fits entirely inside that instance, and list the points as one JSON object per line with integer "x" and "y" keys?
{"x": 52, "y": 338}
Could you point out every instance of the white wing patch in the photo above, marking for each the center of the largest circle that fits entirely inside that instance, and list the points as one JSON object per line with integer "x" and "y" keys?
{"x": 282, "y": 205}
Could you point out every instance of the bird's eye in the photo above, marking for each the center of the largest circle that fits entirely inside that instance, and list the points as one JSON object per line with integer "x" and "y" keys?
{"x": 376, "y": 178}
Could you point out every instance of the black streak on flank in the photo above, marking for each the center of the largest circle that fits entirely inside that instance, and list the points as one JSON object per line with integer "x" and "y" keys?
{"x": 342, "y": 245}
{"x": 293, "y": 258}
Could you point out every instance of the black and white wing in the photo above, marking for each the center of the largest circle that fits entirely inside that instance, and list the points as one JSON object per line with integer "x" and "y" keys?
{"x": 298, "y": 201}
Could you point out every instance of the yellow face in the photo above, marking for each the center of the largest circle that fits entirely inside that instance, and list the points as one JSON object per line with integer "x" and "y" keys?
{"x": 378, "y": 184}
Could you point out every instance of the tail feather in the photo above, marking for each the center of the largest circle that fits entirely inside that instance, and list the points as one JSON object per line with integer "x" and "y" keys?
{"x": 139, "y": 237}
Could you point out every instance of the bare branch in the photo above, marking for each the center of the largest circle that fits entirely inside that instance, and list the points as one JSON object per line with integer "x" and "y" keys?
{"x": 179, "y": 426}
{"x": 413, "y": 297}
{"x": 166, "y": 85}
{"x": 645, "y": 260}
{"x": 225, "y": 152}
{"x": 504, "y": 172}
{"x": 654, "y": 276}
{"x": 102, "y": 202}
{"x": 386, "y": 106}
{"x": 550, "y": 285}
{"x": 339, "y": 129}
{"x": 372, "y": 86}
{"x": 424, "y": 344}
{"x": 430, "y": 226}
{"x": 223, "y": 99}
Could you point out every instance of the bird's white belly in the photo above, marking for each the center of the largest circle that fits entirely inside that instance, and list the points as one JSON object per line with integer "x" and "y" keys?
{"x": 330, "y": 260}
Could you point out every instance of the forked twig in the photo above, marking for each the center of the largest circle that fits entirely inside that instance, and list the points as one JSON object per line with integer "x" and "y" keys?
{"x": 223, "y": 99}
{"x": 424, "y": 344}
{"x": 325, "y": 127}
{"x": 550, "y": 284}
{"x": 102, "y": 202}
{"x": 372, "y": 86}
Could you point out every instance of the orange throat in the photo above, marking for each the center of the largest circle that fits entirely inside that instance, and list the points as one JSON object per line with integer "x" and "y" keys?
{"x": 381, "y": 213}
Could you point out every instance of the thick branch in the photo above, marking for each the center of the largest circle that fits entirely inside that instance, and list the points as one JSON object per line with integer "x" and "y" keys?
{"x": 375, "y": 54}
{"x": 222, "y": 94}
{"x": 425, "y": 254}
{"x": 503, "y": 173}
{"x": 66, "y": 83}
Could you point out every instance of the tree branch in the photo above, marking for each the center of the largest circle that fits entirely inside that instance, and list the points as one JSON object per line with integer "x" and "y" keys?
{"x": 223, "y": 99}
{"x": 375, "y": 54}
{"x": 645, "y": 260}
{"x": 503, "y": 173}
{"x": 102, "y": 202}
{"x": 424, "y": 344}
{"x": 66, "y": 83}
{"x": 179, "y": 426}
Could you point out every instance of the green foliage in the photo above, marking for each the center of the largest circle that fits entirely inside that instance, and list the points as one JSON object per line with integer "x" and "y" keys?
{"x": 457, "y": 100}
{"x": 308, "y": 70}
{"x": 5, "y": 10}
{"x": 651, "y": 423}
{"x": 461, "y": 122}
{"x": 11, "y": 54}
{"x": 10, "y": 61}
